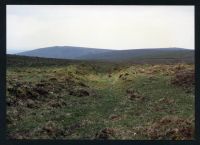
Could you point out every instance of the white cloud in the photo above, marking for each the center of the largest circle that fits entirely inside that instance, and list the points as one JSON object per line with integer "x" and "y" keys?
{"x": 115, "y": 27}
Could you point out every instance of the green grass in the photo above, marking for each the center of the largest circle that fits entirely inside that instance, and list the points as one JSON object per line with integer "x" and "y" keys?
{"x": 108, "y": 97}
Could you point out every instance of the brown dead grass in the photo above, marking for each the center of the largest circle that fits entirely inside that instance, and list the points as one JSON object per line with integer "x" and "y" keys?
{"x": 184, "y": 79}
{"x": 171, "y": 127}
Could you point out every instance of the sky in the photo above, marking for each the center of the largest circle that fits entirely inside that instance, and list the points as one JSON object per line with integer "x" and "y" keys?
{"x": 109, "y": 27}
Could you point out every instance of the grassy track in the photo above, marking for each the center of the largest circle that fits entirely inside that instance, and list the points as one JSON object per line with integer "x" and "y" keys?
{"x": 98, "y": 102}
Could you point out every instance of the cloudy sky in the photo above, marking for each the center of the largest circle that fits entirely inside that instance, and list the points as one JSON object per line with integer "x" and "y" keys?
{"x": 111, "y": 27}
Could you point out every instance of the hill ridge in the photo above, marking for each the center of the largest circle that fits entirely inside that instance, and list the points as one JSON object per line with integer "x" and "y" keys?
{"x": 85, "y": 53}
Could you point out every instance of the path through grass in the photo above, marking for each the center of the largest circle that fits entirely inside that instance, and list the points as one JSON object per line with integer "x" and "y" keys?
{"x": 87, "y": 102}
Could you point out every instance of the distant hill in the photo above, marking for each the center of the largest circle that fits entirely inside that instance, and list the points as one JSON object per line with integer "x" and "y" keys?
{"x": 144, "y": 54}
{"x": 133, "y": 55}
{"x": 63, "y": 52}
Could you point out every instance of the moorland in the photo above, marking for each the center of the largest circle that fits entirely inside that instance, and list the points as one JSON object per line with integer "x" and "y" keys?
{"x": 51, "y": 98}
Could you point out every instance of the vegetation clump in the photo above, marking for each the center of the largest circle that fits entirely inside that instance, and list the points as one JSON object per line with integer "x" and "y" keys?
{"x": 171, "y": 127}
{"x": 60, "y": 99}
{"x": 184, "y": 79}
{"x": 105, "y": 133}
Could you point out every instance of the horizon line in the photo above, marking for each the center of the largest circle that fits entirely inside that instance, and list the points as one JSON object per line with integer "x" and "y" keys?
{"x": 97, "y": 48}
